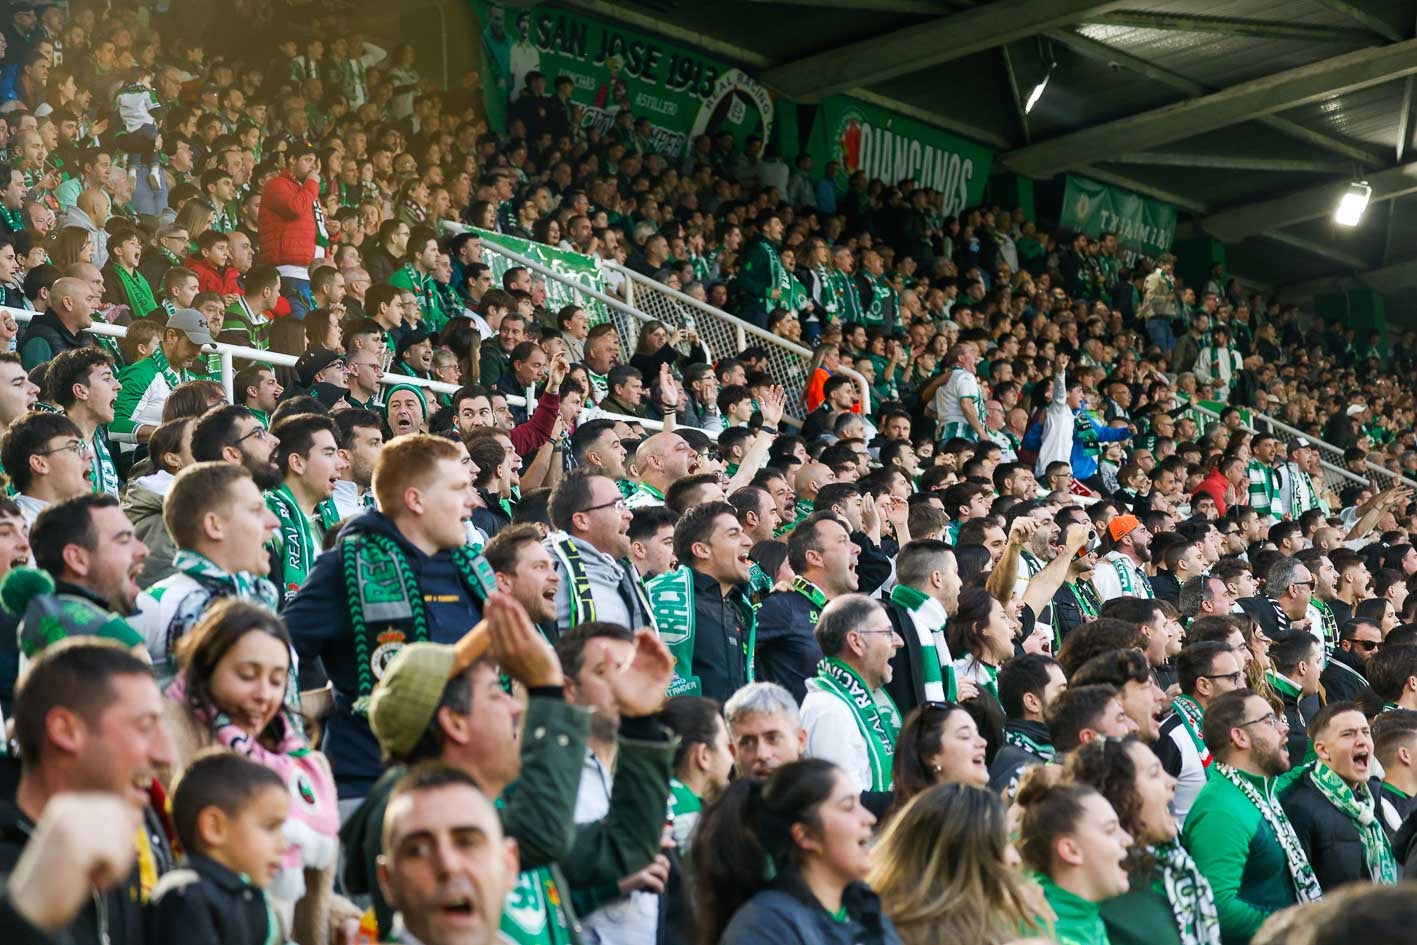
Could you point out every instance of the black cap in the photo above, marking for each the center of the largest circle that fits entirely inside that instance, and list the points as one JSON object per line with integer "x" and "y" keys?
{"x": 410, "y": 338}
{"x": 312, "y": 362}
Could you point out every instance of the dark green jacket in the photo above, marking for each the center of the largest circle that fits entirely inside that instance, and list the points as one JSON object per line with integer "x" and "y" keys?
{"x": 540, "y": 808}
{"x": 1240, "y": 855}
{"x": 1142, "y": 915}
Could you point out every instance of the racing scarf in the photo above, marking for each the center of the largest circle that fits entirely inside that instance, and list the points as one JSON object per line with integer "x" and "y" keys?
{"x": 298, "y": 540}
{"x": 1193, "y": 718}
{"x": 102, "y": 475}
{"x": 939, "y": 682}
{"x": 1306, "y": 886}
{"x": 174, "y": 378}
{"x": 1189, "y": 894}
{"x": 1360, "y": 807}
{"x": 671, "y": 600}
{"x": 876, "y": 716}
{"x": 386, "y": 605}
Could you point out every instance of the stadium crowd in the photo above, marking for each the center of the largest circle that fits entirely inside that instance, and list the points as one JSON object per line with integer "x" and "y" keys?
{"x": 621, "y": 643}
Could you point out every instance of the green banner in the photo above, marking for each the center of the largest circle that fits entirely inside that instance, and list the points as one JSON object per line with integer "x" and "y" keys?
{"x": 892, "y": 148}
{"x": 1142, "y": 225}
{"x": 617, "y": 71}
{"x": 583, "y": 271}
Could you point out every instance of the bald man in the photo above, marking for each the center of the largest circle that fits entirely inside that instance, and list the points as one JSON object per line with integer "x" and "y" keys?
{"x": 660, "y": 461}
{"x": 61, "y": 327}
{"x": 90, "y": 212}
{"x": 807, "y": 483}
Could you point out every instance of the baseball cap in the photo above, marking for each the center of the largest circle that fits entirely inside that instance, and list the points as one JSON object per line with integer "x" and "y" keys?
{"x": 410, "y": 338}
{"x": 1355, "y": 409}
{"x": 312, "y": 362}
{"x": 1300, "y": 443}
{"x": 1122, "y": 526}
{"x": 193, "y": 324}
{"x": 407, "y": 695}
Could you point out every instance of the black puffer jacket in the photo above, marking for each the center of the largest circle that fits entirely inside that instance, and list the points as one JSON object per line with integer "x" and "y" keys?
{"x": 1328, "y": 835}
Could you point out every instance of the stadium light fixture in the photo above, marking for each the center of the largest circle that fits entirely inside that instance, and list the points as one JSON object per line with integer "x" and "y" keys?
{"x": 1353, "y": 203}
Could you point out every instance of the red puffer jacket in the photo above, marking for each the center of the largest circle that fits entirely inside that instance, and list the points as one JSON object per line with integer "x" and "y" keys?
{"x": 287, "y": 222}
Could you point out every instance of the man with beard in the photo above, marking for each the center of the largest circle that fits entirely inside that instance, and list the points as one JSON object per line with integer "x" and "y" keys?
{"x": 148, "y": 383}
{"x": 823, "y": 556}
{"x": 361, "y": 437}
{"x": 1331, "y": 806}
{"x": 926, "y": 591}
{"x": 220, "y": 524}
{"x": 233, "y": 434}
{"x": 592, "y": 523}
{"x": 1237, "y": 832}
{"x": 701, "y": 606}
{"x": 661, "y": 460}
{"x": 525, "y": 570}
{"x": 1344, "y": 678}
{"x": 1126, "y": 549}
{"x": 396, "y": 575}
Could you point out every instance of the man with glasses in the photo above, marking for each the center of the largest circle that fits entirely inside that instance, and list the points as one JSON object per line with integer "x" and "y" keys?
{"x": 1206, "y": 671}
{"x": 592, "y": 522}
{"x": 1345, "y": 677}
{"x": 48, "y": 461}
{"x": 1237, "y": 832}
{"x": 1284, "y": 604}
{"x": 1332, "y": 804}
{"x": 364, "y": 371}
{"x": 850, "y": 719}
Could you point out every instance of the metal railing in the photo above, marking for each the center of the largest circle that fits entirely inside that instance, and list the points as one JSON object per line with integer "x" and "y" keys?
{"x": 1287, "y": 434}
{"x": 229, "y": 354}
{"x": 728, "y": 335}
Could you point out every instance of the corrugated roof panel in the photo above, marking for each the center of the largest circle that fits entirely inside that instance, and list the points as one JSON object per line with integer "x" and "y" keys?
{"x": 1214, "y": 59}
{"x": 1369, "y": 114}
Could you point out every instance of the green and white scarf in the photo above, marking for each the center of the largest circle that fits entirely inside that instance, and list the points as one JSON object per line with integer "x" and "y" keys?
{"x": 1044, "y": 751}
{"x": 103, "y": 477}
{"x": 1193, "y": 719}
{"x": 1306, "y": 886}
{"x": 876, "y": 716}
{"x": 1189, "y": 894}
{"x": 386, "y": 605}
{"x": 813, "y": 593}
{"x": 241, "y": 584}
{"x": 1124, "y": 568}
{"x": 174, "y": 378}
{"x": 940, "y": 684}
{"x": 137, "y": 290}
{"x": 1360, "y": 807}
{"x": 299, "y": 539}
{"x": 671, "y": 600}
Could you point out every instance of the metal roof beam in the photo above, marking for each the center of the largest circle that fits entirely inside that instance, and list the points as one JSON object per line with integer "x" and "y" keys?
{"x": 1366, "y": 18}
{"x": 1101, "y": 52}
{"x": 1232, "y": 26}
{"x": 1319, "y": 249}
{"x": 1141, "y": 187}
{"x": 1291, "y": 88}
{"x": 944, "y": 39}
{"x": 1231, "y": 162}
{"x": 1310, "y": 203}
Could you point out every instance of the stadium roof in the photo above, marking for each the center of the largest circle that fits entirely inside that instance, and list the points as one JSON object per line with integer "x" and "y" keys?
{"x": 1250, "y": 116}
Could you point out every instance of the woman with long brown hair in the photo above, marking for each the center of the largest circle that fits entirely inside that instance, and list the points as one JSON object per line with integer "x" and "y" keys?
{"x": 947, "y": 873}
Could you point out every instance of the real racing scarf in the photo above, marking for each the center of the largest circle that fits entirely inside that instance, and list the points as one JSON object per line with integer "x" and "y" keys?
{"x": 876, "y": 716}
{"x": 1189, "y": 894}
{"x": 136, "y": 289}
{"x": 1306, "y": 885}
{"x": 297, "y": 541}
{"x": 939, "y": 681}
{"x": 1360, "y": 807}
{"x": 1193, "y": 719}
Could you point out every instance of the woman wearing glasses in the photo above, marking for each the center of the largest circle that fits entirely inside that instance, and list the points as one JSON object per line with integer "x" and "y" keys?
{"x": 947, "y": 872}
{"x": 1169, "y": 901}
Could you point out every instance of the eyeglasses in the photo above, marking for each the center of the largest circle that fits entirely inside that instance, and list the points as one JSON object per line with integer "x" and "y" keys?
{"x": 260, "y": 433}
{"x": 620, "y": 505}
{"x": 1367, "y": 645}
{"x": 1270, "y": 719}
{"x": 78, "y": 446}
{"x": 1233, "y": 677}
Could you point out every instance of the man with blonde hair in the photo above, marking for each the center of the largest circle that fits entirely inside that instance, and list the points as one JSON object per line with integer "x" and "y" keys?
{"x": 397, "y": 575}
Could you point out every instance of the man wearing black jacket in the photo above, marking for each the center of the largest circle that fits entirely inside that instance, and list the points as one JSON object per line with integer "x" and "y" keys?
{"x": 926, "y": 591}
{"x": 1027, "y": 684}
{"x": 111, "y": 699}
{"x": 1344, "y": 679}
{"x": 1325, "y": 803}
{"x": 873, "y": 566}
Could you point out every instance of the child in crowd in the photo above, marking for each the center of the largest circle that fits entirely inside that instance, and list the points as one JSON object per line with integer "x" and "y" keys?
{"x": 229, "y": 814}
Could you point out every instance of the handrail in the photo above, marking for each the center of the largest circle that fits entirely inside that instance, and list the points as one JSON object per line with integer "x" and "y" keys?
{"x": 1348, "y": 474}
{"x": 1293, "y": 432}
{"x": 230, "y": 352}
{"x": 666, "y": 312}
